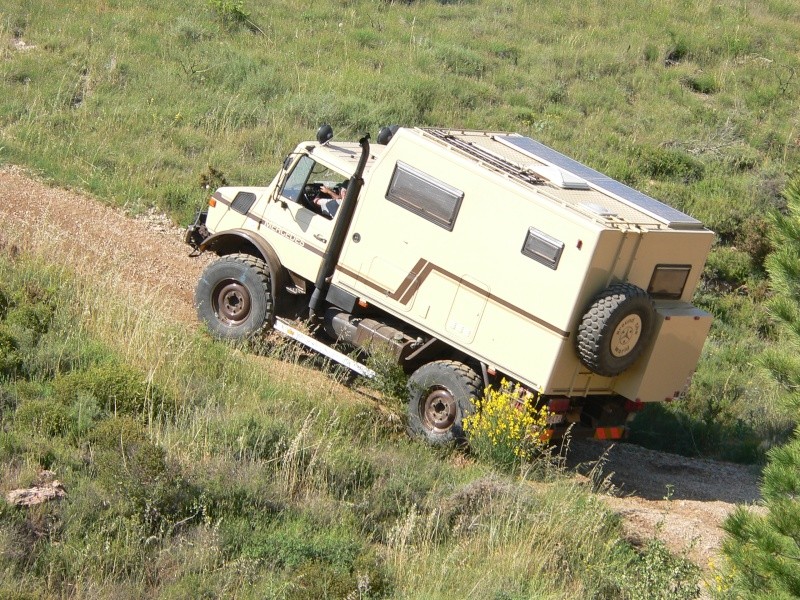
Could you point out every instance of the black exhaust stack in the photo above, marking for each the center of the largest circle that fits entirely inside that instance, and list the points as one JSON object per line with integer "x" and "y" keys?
{"x": 334, "y": 250}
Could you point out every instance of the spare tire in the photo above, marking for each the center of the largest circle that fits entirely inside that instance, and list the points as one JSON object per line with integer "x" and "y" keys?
{"x": 615, "y": 329}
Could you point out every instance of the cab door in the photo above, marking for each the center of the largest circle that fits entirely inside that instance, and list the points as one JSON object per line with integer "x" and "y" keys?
{"x": 299, "y": 232}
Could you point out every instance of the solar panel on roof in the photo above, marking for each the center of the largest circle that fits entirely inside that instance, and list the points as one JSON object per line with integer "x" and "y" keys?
{"x": 656, "y": 209}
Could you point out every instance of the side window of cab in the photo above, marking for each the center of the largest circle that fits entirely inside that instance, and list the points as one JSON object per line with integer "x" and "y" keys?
{"x": 315, "y": 187}
{"x": 295, "y": 183}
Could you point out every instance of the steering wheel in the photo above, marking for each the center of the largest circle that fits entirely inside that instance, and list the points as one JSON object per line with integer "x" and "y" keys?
{"x": 310, "y": 192}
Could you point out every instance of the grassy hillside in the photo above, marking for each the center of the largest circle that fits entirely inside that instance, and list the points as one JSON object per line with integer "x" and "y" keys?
{"x": 692, "y": 102}
{"x": 194, "y": 471}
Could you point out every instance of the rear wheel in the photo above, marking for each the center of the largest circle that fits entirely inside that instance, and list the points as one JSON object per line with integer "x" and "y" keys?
{"x": 440, "y": 396}
{"x": 234, "y": 297}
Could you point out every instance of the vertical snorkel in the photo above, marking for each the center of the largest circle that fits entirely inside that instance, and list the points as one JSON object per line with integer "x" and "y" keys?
{"x": 334, "y": 250}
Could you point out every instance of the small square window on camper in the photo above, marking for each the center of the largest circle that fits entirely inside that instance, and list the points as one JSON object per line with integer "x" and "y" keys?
{"x": 425, "y": 196}
{"x": 543, "y": 248}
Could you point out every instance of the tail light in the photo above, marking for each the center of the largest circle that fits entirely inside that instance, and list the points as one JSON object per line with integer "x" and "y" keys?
{"x": 634, "y": 405}
{"x": 558, "y": 405}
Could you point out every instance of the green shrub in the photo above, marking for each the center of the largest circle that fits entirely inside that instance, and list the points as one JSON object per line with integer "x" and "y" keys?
{"x": 505, "y": 51}
{"x": 669, "y": 163}
{"x": 118, "y": 432}
{"x": 25, "y": 315}
{"x": 34, "y": 317}
{"x": 43, "y": 416}
{"x": 348, "y": 473}
{"x": 702, "y": 84}
{"x": 742, "y": 157}
{"x": 83, "y": 413}
{"x": 4, "y": 304}
{"x": 390, "y": 379}
{"x": 650, "y": 53}
{"x": 367, "y": 38}
{"x": 11, "y": 446}
{"x": 10, "y": 361}
{"x": 660, "y": 428}
{"x": 678, "y": 52}
{"x": 8, "y": 401}
{"x": 238, "y": 496}
{"x": 719, "y": 433}
{"x": 729, "y": 265}
{"x": 118, "y": 389}
{"x": 754, "y": 240}
{"x": 148, "y": 486}
{"x": 461, "y": 61}
{"x": 292, "y": 542}
{"x": 230, "y": 11}
{"x": 247, "y": 438}
{"x": 398, "y": 484}
{"x": 328, "y": 561}
{"x": 657, "y": 574}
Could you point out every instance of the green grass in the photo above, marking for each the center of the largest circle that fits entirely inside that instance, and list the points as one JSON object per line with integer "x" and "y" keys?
{"x": 693, "y": 103}
{"x": 192, "y": 470}
{"x": 134, "y": 103}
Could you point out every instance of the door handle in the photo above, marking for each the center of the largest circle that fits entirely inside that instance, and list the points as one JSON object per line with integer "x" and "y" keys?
{"x": 319, "y": 238}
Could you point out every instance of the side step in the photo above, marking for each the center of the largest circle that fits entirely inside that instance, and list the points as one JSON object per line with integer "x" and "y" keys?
{"x": 317, "y": 346}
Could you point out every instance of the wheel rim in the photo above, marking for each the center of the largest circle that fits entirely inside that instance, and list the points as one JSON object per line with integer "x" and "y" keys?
{"x": 626, "y": 335}
{"x": 231, "y": 302}
{"x": 439, "y": 410}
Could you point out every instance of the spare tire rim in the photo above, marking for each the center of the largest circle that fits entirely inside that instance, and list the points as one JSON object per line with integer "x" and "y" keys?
{"x": 439, "y": 410}
{"x": 231, "y": 302}
{"x": 626, "y": 335}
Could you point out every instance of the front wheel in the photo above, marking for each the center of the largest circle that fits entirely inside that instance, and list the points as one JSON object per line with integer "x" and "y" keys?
{"x": 234, "y": 297}
{"x": 440, "y": 396}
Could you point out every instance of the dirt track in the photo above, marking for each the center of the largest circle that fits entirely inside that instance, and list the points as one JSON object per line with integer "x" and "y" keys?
{"x": 682, "y": 501}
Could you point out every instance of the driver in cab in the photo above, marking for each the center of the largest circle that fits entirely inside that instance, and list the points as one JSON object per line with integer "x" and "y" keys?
{"x": 330, "y": 203}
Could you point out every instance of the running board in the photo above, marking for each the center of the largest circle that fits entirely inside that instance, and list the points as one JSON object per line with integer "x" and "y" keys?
{"x": 317, "y": 346}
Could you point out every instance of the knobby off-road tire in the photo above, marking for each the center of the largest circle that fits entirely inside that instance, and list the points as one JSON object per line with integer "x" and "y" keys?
{"x": 440, "y": 396}
{"x": 234, "y": 297}
{"x": 616, "y": 329}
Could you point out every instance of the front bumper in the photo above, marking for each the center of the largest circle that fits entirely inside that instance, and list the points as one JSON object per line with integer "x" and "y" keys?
{"x": 197, "y": 232}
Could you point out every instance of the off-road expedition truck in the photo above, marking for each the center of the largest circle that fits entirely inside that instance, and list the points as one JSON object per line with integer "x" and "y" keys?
{"x": 472, "y": 257}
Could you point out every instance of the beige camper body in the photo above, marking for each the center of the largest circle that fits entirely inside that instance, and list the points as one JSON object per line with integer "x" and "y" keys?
{"x": 495, "y": 247}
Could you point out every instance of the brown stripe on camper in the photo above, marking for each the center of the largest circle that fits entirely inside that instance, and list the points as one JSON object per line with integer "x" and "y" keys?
{"x": 422, "y": 270}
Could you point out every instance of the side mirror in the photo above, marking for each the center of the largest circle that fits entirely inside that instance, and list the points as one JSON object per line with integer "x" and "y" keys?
{"x": 386, "y": 134}
{"x": 324, "y": 134}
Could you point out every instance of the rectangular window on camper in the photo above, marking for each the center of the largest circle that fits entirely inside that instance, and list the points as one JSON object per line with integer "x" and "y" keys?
{"x": 425, "y": 196}
{"x": 543, "y": 248}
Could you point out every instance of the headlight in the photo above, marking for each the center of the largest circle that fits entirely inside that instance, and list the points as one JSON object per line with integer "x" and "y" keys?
{"x": 668, "y": 281}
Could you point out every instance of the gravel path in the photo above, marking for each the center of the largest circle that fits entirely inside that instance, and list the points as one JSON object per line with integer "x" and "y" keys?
{"x": 680, "y": 500}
